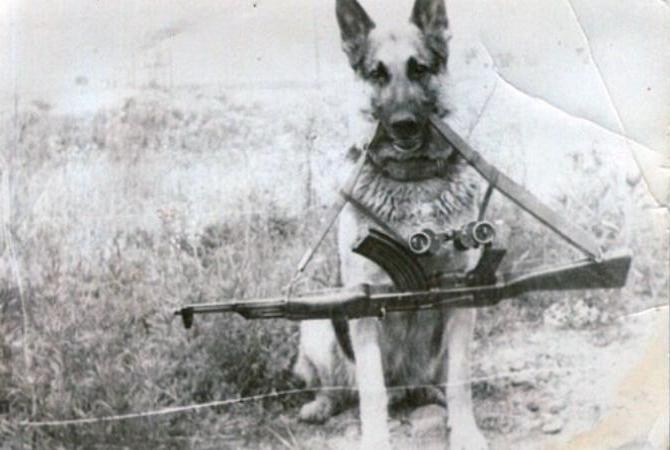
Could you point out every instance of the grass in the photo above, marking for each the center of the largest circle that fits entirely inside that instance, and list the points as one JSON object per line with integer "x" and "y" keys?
{"x": 118, "y": 218}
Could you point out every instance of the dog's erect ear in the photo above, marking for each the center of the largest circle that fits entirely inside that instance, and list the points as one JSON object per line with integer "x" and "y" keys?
{"x": 431, "y": 18}
{"x": 355, "y": 25}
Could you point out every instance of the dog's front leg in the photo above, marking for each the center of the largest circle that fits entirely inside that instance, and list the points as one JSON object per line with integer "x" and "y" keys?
{"x": 371, "y": 387}
{"x": 365, "y": 337}
{"x": 464, "y": 435}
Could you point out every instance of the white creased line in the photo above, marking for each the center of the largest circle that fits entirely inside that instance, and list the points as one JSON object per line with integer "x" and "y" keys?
{"x": 197, "y": 406}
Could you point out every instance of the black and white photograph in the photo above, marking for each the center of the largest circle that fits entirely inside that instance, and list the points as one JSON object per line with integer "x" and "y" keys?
{"x": 334, "y": 224}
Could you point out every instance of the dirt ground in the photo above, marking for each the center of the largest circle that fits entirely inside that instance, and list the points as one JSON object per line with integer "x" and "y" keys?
{"x": 550, "y": 388}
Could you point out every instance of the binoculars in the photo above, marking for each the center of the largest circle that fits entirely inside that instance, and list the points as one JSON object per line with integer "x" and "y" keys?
{"x": 471, "y": 235}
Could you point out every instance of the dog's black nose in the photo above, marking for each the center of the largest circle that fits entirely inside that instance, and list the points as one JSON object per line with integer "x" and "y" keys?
{"x": 405, "y": 127}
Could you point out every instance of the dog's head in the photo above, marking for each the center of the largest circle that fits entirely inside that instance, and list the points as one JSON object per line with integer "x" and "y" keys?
{"x": 403, "y": 67}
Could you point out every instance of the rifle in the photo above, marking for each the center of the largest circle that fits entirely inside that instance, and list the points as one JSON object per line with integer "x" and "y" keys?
{"x": 479, "y": 288}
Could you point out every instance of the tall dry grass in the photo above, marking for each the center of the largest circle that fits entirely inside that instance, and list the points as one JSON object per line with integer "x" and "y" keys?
{"x": 118, "y": 218}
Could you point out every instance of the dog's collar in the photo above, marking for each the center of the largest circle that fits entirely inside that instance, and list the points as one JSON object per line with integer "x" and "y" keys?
{"x": 413, "y": 169}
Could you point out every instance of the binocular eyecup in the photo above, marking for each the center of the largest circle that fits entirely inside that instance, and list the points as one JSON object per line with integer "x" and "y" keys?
{"x": 472, "y": 235}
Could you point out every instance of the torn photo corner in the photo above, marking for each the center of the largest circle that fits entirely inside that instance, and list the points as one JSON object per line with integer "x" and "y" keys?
{"x": 155, "y": 156}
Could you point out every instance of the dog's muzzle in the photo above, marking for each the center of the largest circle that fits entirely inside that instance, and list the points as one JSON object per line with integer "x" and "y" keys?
{"x": 406, "y": 132}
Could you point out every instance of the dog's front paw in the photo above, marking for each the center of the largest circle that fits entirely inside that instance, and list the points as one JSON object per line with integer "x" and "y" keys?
{"x": 317, "y": 411}
{"x": 467, "y": 438}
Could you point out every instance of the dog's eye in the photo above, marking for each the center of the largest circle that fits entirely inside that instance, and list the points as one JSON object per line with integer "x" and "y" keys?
{"x": 421, "y": 69}
{"x": 416, "y": 69}
{"x": 379, "y": 74}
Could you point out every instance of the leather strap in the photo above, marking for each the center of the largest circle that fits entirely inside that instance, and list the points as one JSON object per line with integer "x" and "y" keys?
{"x": 518, "y": 194}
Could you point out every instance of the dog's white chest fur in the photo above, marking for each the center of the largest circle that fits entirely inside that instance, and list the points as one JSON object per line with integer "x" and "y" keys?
{"x": 408, "y": 207}
{"x": 445, "y": 201}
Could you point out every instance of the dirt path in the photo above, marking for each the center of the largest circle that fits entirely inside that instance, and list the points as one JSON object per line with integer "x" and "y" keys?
{"x": 539, "y": 389}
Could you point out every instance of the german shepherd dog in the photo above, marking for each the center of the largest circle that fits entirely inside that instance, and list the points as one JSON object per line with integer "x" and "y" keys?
{"x": 403, "y": 70}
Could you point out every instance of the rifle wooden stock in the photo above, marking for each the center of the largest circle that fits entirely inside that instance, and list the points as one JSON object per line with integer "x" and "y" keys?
{"x": 370, "y": 301}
